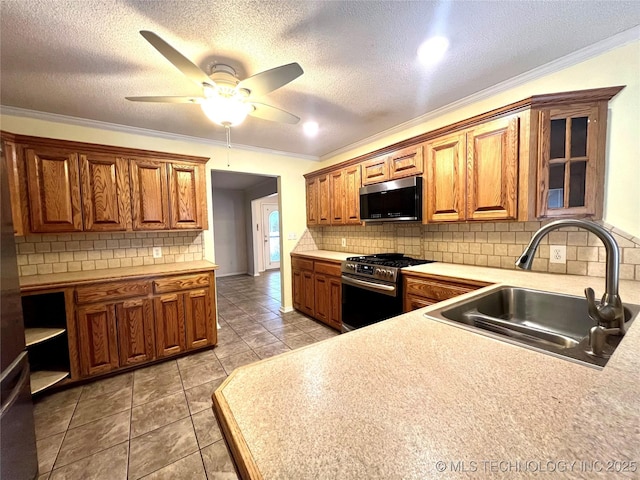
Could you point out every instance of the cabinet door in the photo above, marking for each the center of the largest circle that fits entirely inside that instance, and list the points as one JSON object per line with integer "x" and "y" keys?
{"x": 374, "y": 171}
{"x": 150, "y": 199}
{"x": 198, "y": 319}
{"x": 135, "y": 331}
{"x": 406, "y": 162}
{"x": 322, "y": 298}
{"x": 308, "y": 297}
{"x": 324, "y": 201}
{"x": 54, "y": 190}
{"x": 97, "y": 339}
{"x": 571, "y": 161}
{"x": 352, "y": 185}
{"x": 105, "y": 193}
{"x": 336, "y": 197}
{"x": 492, "y": 170}
{"x": 335, "y": 302}
{"x": 170, "y": 328}
{"x": 9, "y": 154}
{"x": 312, "y": 201}
{"x": 296, "y": 285}
{"x": 187, "y": 198}
{"x": 444, "y": 196}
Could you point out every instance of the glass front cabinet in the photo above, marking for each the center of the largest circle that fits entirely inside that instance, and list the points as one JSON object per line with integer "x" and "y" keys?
{"x": 571, "y": 159}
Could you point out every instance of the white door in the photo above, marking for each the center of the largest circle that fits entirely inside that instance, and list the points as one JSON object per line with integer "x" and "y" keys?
{"x": 271, "y": 235}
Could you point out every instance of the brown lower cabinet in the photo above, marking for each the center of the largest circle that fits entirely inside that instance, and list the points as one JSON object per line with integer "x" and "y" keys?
{"x": 98, "y": 339}
{"x": 135, "y": 331}
{"x": 131, "y": 322}
{"x": 170, "y": 328}
{"x": 317, "y": 289}
{"x": 421, "y": 290}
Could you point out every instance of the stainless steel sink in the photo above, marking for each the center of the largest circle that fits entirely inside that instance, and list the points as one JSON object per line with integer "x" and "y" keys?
{"x": 553, "y": 323}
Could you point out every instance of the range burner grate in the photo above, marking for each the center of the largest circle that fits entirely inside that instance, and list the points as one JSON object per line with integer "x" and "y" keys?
{"x": 397, "y": 260}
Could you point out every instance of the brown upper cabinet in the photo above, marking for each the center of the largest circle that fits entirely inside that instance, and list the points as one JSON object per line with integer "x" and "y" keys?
{"x": 150, "y": 195}
{"x": 334, "y": 198}
{"x": 59, "y": 186}
{"x": 185, "y": 196}
{"x": 541, "y": 157}
{"x": 406, "y": 162}
{"x": 352, "y": 184}
{"x": 472, "y": 175}
{"x": 312, "y": 201}
{"x": 571, "y": 161}
{"x": 54, "y": 190}
{"x": 105, "y": 193}
{"x": 317, "y": 199}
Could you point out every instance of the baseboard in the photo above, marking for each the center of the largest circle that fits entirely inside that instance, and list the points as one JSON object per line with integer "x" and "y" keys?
{"x": 286, "y": 309}
{"x": 219, "y": 275}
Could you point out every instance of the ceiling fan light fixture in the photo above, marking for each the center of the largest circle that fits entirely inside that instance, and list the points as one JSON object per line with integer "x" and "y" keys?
{"x": 228, "y": 111}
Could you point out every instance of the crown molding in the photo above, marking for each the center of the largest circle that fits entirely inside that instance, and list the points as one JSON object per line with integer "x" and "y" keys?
{"x": 586, "y": 53}
{"x": 114, "y": 127}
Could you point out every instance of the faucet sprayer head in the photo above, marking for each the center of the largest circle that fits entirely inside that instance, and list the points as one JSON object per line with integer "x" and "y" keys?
{"x": 526, "y": 259}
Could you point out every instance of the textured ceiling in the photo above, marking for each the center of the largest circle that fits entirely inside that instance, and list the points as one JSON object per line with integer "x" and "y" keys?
{"x": 81, "y": 58}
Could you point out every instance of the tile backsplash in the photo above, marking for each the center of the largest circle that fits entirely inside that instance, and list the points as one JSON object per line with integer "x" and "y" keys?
{"x": 51, "y": 253}
{"x": 492, "y": 244}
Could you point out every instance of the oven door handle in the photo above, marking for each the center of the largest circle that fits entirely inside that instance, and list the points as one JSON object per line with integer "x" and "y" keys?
{"x": 374, "y": 287}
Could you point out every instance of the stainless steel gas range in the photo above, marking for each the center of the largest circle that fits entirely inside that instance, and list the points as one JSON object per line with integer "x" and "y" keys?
{"x": 372, "y": 288}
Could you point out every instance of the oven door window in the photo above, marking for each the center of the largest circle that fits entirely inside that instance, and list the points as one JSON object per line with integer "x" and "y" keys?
{"x": 362, "y": 307}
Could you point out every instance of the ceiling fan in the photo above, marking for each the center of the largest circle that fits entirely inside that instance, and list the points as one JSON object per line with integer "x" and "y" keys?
{"x": 226, "y": 100}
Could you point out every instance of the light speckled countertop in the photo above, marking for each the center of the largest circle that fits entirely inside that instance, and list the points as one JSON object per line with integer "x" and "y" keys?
{"x": 59, "y": 280}
{"x": 393, "y": 399}
{"x": 325, "y": 255}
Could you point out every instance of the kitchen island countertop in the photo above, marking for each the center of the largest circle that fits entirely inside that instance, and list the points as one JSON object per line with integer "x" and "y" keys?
{"x": 411, "y": 397}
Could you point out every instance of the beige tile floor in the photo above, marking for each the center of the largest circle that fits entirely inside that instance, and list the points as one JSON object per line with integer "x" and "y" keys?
{"x": 157, "y": 422}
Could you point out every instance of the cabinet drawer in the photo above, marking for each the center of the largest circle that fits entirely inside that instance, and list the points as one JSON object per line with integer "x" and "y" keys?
{"x": 185, "y": 282}
{"x": 328, "y": 268}
{"x": 414, "y": 302}
{"x": 111, "y": 291}
{"x": 435, "y": 290}
{"x": 302, "y": 264}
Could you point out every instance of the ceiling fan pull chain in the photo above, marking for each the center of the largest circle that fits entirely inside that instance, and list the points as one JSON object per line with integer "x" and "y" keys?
{"x": 228, "y": 132}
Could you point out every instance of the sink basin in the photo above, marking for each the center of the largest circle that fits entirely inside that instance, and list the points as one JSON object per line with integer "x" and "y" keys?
{"x": 549, "y": 322}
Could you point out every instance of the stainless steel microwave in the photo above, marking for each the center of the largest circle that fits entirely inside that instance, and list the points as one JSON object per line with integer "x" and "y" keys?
{"x": 393, "y": 201}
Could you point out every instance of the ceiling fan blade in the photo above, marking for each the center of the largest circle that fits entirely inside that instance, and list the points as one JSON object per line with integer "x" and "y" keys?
{"x": 274, "y": 114}
{"x": 270, "y": 80}
{"x": 182, "y": 63}
{"x": 167, "y": 99}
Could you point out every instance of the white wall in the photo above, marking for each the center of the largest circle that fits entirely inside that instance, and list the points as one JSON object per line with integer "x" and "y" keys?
{"x": 620, "y": 66}
{"x": 289, "y": 170}
{"x": 229, "y": 231}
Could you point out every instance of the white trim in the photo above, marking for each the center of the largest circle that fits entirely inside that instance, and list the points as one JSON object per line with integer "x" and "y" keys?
{"x": 85, "y": 122}
{"x": 220, "y": 275}
{"x": 619, "y": 40}
{"x": 286, "y": 309}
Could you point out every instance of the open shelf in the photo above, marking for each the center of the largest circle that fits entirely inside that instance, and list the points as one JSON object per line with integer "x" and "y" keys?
{"x": 37, "y": 335}
{"x": 45, "y": 334}
{"x": 42, "y": 379}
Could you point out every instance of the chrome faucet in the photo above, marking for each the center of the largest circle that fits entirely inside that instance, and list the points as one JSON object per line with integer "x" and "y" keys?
{"x": 609, "y": 315}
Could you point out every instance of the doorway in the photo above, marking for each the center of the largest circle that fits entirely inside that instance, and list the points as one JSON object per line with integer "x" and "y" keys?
{"x": 271, "y": 235}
